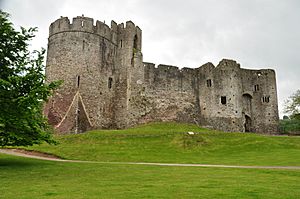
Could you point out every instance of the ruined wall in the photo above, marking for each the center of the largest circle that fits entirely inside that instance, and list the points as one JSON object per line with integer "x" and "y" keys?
{"x": 261, "y": 86}
{"x": 131, "y": 74}
{"x": 106, "y": 84}
{"x": 171, "y": 94}
{"x": 224, "y": 97}
{"x": 219, "y": 95}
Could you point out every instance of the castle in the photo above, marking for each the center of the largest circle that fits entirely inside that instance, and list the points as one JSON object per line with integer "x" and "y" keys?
{"x": 107, "y": 85}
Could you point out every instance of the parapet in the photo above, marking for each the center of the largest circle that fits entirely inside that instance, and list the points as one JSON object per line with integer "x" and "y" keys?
{"x": 228, "y": 63}
{"x": 163, "y": 69}
{"x": 86, "y": 24}
{"x": 261, "y": 73}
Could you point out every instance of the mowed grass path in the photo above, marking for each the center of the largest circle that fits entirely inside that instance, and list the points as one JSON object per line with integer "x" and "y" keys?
{"x": 170, "y": 143}
{"x": 25, "y": 178}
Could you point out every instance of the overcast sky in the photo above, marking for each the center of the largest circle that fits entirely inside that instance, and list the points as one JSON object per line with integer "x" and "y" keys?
{"x": 255, "y": 33}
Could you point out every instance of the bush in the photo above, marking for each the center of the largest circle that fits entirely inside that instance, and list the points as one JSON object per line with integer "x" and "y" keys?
{"x": 289, "y": 126}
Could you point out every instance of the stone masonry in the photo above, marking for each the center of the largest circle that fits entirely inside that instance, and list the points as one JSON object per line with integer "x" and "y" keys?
{"x": 107, "y": 85}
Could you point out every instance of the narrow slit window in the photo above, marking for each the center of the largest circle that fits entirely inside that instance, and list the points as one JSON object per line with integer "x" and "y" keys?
{"x": 208, "y": 82}
{"x": 121, "y": 43}
{"x": 78, "y": 81}
{"x": 135, "y": 44}
{"x": 81, "y": 23}
{"x": 256, "y": 87}
{"x": 110, "y": 80}
{"x": 223, "y": 100}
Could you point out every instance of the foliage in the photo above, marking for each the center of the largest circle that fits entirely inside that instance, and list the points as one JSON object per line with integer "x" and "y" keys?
{"x": 22, "y": 88}
{"x": 289, "y": 126}
{"x": 292, "y": 105}
{"x": 285, "y": 117}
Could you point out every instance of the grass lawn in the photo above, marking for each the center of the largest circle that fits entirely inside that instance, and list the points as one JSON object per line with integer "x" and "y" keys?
{"x": 159, "y": 142}
{"x": 29, "y": 178}
{"x": 169, "y": 143}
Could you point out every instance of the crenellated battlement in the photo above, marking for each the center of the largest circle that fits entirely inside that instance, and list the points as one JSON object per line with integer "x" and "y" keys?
{"x": 165, "y": 69}
{"x": 86, "y": 24}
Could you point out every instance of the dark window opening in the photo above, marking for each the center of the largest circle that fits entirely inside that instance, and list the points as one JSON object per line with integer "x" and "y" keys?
{"x": 256, "y": 87}
{"x": 223, "y": 99}
{"x": 121, "y": 44}
{"x": 110, "y": 80}
{"x": 78, "y": 81}
{"x": 208, "y": 82}
{"x": 132, "y": 60}
{"x": 266, "y": 99}
{"x": 135, "y": 40}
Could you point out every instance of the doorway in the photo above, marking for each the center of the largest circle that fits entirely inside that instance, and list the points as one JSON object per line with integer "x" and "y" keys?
{"x": 247, "y": 124}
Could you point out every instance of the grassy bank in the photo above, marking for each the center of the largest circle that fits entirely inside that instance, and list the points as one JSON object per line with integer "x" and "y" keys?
{"x": 170, "y": 143}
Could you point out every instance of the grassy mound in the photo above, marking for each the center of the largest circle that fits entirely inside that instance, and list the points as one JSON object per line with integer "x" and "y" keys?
{"x": 171, "y": 143}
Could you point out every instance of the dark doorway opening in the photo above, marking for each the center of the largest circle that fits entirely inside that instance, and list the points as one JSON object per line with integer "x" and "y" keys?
{"x": 247, "y": 124}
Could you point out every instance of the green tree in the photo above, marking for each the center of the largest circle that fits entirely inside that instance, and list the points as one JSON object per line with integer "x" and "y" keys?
{"x": 22, "y": 88}
{"x": 292, "y": 105}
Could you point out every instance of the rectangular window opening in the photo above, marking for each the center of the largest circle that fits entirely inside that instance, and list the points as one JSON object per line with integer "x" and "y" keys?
{"x": 266, "y": 99}
{"x": 208, "y": 82}
{"x": 223, "y": 99}
{"x": 110, "y": 80}
{"x": 256, "y": 87}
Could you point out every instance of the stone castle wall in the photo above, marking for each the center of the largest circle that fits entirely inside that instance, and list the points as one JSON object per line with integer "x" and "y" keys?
{"x": 107, "y": 84}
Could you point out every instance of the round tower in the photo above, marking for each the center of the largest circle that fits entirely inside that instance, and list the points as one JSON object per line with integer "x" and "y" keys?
{"x": 83, "y": 55}
{"x": 101, "y": 67}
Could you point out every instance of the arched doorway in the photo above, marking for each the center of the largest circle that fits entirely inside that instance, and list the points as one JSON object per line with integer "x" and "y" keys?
{"x": 247, "y": 104}
{"x": 247, "y": 124}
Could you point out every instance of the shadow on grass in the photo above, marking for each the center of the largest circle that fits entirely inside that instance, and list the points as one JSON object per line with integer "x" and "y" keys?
{"x": 19, "y": 162}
